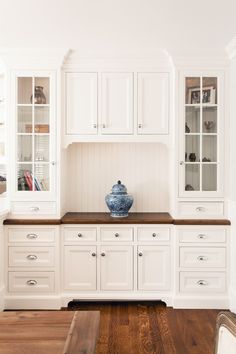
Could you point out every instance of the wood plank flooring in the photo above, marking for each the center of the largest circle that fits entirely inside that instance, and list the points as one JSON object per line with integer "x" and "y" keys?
{"x": 151, "y": 327}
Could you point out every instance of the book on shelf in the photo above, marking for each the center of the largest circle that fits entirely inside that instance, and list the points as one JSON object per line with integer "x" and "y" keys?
{"x": 28, "y": 179}
{"x": 44, "y": 185}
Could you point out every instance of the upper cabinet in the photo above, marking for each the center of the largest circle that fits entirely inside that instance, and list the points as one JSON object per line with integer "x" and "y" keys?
{"x": 122, "y": 105}
{"x": 201, "y": 136}
{"x": 3, "y": 158}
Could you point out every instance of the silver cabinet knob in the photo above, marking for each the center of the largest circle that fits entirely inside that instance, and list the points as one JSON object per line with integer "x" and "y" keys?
{"x": 79, "y": 235}
{"x": 140, "y": 126}
{"x": 202, "y": 258}
{"x": 53, "y": 163}
{"x": 32, "y": 257}
{"x": 201, "y": 236}
{"x": 154, "y": 234}
{"x": 116, "y": 234}
{"x": 202, "y": 282}
{"x": 103, "y": 254}
{"x": 104, "y": 126}
{"x": 95, "y": 126}
{"x": 200, "y": 209}
{"x": 181, "y": 163}
{"x": 140, "y": 254}
{"x": 93, "y": 254}
{"x": 31, "y": 282}
{"x": 32, "y": 236}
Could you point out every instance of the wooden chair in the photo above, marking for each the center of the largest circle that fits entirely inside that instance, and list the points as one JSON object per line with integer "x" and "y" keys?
{"x": 225, "y": 333}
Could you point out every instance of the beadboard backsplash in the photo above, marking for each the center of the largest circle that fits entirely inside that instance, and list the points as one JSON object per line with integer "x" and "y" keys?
{"x": 94, "y": 167}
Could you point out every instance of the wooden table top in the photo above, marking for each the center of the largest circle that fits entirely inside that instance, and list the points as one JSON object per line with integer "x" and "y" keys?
{"x": 52, "y": 332}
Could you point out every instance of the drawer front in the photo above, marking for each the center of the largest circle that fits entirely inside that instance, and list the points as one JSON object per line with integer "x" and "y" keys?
{"x": 31, "y": 282}
{"x": 31, "y": 257}
{"x": 202, "y": 236}
{"x": 33, "y": 235}
{"x": 75, "y": 234}
{"x": 202, "y": 257}
{"x": 117, "y": 234}
{"x": 33, "y": 208}
{"x": 202, "y": 282}
{"x": 153, "y": 234}
{"x": 201, "y": 209}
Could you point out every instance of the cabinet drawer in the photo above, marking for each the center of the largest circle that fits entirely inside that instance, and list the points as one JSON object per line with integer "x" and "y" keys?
{"x": 202, "y": 282}
{"x": 33, "y": 208}
{"x": 202, "y": 235}
{"x": 202, "y": 257}
{"x": 80, "y": 234}
{"x": 201, "y": 209}
{"x": 31, "y": 257}
{"x": 117, "y": 234}
{"x": 31, "y": 234}
{"x": 153, "y": 234}
{"x": 31, "y": 282}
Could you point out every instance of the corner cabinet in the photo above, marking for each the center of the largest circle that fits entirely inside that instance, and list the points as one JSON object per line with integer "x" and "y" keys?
{"x": 201, "y": 142}
{"x": 33, "y": 143}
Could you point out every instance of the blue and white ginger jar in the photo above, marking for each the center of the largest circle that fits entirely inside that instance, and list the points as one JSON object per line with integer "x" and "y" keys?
{"x": 118, "y": 201}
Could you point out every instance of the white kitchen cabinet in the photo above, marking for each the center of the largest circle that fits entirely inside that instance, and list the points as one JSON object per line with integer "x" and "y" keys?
{"x": 116, "y": 267}
{"x": 117, "y": 103}
{"x": 80, "y": 265}
{"x": 81, "y": 103}
{"x": 154, "y": 267}
{"x": 153, "y": 103}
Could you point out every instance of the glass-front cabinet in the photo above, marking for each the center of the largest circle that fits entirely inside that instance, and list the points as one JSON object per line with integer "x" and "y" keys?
{"x": 34, "y": 126}
{"x": 3, "y": 158}
{"x": 200, "y": 150}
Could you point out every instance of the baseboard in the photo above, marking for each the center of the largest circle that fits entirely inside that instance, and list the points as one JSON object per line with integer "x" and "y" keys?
{"x": 196, "y": 302}
{"x": 18, "y": 302}
{"x": 2, "y": 300}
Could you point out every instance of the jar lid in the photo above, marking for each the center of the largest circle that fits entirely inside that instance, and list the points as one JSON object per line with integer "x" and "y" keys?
{"x": 119, "y": 188}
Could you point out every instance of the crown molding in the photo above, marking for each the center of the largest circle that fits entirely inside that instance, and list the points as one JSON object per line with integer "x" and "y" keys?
{"x": 231, "y": 48}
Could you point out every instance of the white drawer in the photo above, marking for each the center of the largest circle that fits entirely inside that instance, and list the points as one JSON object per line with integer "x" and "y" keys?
{"x": 116, "y": 234}
{"x": 202, "y": 235}
{"x": 31, "y": 257}
{"x": 33, "y": 208}
{"x": 153, "y": 234}
{"x": 202, "y": 282}
{"x": 31, "y": 282}
{"x": 202, "y": 257}
{"x": 80, "y": 234}
{"x": 201, "y": 209}
{"x": 31, "y": 234}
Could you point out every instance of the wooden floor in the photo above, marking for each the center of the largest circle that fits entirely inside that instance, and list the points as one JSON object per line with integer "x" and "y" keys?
{"x": 151, "y": 327}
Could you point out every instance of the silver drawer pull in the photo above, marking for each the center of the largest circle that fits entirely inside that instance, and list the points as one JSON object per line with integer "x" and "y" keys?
{"x": 154, "y": 234}
{"x": 202, "y": 258}
{"x": 34, "y": 208}
{"x": 201, "y": 236}
{"x": 200, "y": 209}
{"x": 116, "y": 234}
{"x": 31, "y": 282}
{"x": 32, "y": 236}
{"x": 202, "y": 282}
{"x": 32, "y": 257}
{"x": 80, "y": 235}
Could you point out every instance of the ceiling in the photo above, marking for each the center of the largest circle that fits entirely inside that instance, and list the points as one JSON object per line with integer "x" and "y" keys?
{"x": 119, "y": 27}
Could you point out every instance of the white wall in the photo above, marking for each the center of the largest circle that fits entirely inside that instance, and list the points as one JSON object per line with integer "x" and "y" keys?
{"x": 94, "y": 168}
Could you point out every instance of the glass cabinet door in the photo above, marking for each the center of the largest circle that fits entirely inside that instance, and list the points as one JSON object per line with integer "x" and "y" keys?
{"x": 3, "y": 160}
{"x": 201, "y": 129}
{"x": 33, "y": 134}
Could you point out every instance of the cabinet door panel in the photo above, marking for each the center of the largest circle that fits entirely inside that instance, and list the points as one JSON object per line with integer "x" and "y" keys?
{"x": 116, "y": 268}
{"x": 117, "y": 103}
{"x": 81, "y": 103}
{"x": 80, "y": 266}
{"x": 153, "y": 103}
{"x": 154, "y": 268}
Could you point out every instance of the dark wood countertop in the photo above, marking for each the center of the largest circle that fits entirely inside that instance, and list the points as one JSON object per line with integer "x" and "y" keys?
{"x": 105, "y": 218}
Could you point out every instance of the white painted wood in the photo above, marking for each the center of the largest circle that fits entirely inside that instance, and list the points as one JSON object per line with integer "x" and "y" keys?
{"x": 116, "y": 234}
{"x": 153, "y": 103}
{"x": 202, "y": 257}
{"x": 31, "y": 282}
{"x": 80, "y": 268}
{"x": 31, "y": 234}
{"x": 154, "y": 268}
{"x": 201, "y": 209}
{"x": 79, "y": 234}
{"x": 81, "y": 103}
{"x": 116, "y": 267}
{"x": 141, "y": 167}
{"x": 33, "y": 208}
{"x": 30, "y": 257}
{"x": 226, "y": 341}
{"x": 203, "y": 282}
{"x": 153, "y": 234}
{"x": 117, "y": 103}
{"x": 202, "y": 235}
